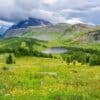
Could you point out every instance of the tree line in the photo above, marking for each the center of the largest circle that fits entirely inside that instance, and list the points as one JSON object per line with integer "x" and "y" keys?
{"x": 83, "y": 57}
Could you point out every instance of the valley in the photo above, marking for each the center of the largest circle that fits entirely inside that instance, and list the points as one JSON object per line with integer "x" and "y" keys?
{"x": 50, "y": 62}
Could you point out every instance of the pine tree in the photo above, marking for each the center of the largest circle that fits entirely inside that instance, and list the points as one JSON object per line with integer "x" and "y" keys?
{"x": 10, "y": 59}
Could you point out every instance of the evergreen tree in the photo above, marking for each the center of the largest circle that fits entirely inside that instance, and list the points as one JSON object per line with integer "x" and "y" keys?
{"x": 10, "y": 59}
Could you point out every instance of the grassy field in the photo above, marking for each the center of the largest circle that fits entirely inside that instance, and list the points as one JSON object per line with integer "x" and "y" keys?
{"x": 34, "y": 78}
{"x": 39, "y": 76}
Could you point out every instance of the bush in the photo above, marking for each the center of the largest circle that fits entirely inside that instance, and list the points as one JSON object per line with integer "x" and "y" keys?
{"x": 69, "y": 60}
{"x": 10, "y": 59}
{"x": 4, "y": 68}
{"x": 94, "y": 60}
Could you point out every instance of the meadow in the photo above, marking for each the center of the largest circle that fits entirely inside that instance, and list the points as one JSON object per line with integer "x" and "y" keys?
{"x": 37, "y": 78}
{"x": 56, "y": 60}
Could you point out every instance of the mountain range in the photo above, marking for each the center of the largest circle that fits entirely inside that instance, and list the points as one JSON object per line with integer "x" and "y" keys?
{"x": 44, "y": 30}
{"x": 41, "y": 34}
{"x": 29, "y": 22}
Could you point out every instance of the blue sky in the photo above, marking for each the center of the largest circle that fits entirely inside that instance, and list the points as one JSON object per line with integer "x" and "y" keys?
{"x": 55, "y": 11}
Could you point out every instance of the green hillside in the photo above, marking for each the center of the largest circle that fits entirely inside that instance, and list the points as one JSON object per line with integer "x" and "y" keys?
{"x": 11, "y": 43}
{"x": 31, "y": 68}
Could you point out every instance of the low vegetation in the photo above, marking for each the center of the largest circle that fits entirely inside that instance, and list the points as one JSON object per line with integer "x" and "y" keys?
{"x": 84, "y": 57}
{"x": 10, "y": 59}
{"x": 48, "y": 79}
{"x": 26, "y": 73}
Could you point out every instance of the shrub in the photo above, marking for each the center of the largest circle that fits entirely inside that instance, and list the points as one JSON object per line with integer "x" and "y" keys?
{"x": 10, "y": 59}
{"x": 4, "y": 68}
{"x": 94, "y": 60}
{"x": 68, "y": 60}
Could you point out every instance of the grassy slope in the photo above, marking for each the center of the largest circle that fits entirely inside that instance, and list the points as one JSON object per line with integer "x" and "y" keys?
{"x": 43, "y": 79}
{"x": 41, "y": 45}
{"x": 48, "y": 79}
{"x": 78, "y": 35}
{"x": 71, "y": 38}
{"x": 16, "y": 42}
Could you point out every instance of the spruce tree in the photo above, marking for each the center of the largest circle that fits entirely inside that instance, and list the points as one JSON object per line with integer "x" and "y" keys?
{"x": 10, "y": 59}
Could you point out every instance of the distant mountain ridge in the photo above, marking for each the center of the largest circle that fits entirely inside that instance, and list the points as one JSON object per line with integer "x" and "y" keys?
{"x": 23, "y": 25}
{"x": 4, "y": 26}
{"x": 3, "y": 29}
{"x": 30, "y": 22}
{"x": 44, "y": 30}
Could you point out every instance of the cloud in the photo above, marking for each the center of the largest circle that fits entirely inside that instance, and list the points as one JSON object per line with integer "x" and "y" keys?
{"x": 48, "y": 15}
{"x": 74, "y": 21}
{"x": 5, "y": 23}
{"x": 49, "y": 1}
{"x": 55, "y": 11}
{"x": 77, "y": 21}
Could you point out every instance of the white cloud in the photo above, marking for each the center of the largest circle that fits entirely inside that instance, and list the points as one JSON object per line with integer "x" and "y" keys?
{"x": 74, "y": 21}
{"x": 95, "y": 9}
{"x": 5, "y": 23}
{"x": 48, "y": 15}
{"x": 49, "y": 1}
{"x": 52, "y": 10}
{"x": 77, "y": 21}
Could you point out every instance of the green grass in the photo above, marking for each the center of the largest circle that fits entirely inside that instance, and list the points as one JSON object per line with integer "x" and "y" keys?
{"x": 13, "y": 43}
{"x": 33, "y": 78}
{"x": 38, "y": 45}
{"x": 37, "y": 78}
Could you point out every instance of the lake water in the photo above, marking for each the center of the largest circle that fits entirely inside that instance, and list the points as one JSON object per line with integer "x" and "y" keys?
{"x": 55, "y": 50}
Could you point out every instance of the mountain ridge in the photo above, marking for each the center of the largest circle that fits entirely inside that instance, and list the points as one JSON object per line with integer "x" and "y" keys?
{"x": 30, "y": 22}
{"x": 44, "y": 30}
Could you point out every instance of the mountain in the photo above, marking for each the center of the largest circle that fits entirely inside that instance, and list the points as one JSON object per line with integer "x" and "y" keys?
{"x": 44, "y": 30}
{"x": 62, "y": 34}
{"x": 3, "y": 28}
{"x": 41, "y": 32}
{"x": 22, "y": 26}
{"x": 30, "y": 22}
